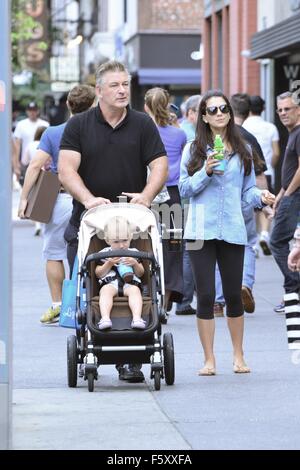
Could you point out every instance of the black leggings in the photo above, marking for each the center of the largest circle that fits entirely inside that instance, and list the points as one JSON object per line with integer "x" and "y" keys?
{"x": 230, "y": 260}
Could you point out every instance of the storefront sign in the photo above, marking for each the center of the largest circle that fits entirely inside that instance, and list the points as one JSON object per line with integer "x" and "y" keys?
{"x": 35, "y": 56}
{"x": 291, "y": 73}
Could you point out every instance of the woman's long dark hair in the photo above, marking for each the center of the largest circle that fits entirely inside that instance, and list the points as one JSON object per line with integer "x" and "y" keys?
{"x": 204, "y": 137}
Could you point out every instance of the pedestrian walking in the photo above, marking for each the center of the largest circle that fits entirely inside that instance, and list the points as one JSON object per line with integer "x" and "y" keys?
{"x": 222, "y": 227}
{"x": 287, "y": 203}
{"x": 268, "y": 137}
{"x": 240, "y": 103}
{"x": 188, "y": 125}
{"x": 24, "y": 134}
{"x": 80, "y": 99}
{"x": 29, "y": 154}
{"x": 174, "y": 140}
{"x": 105, "y": 153}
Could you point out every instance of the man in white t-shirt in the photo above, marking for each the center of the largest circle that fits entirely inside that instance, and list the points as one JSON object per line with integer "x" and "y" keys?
{"x": 268, "y": 138}
{"x": 25, "y": 130}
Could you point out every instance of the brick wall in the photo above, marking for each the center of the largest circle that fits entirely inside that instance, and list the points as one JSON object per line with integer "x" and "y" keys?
{"x": 170, "y": 15}
{"x": 240, "y": 74}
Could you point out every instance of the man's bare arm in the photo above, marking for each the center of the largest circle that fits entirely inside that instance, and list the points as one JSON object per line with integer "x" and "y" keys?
{"x": 276, "y": 153}
{"x": 16, "y": 147}
{"x": 39, "y": 160}
{"x": 68, "y": 164}
{"x": 157, "y": 178}
{"x": 295, "y": 183}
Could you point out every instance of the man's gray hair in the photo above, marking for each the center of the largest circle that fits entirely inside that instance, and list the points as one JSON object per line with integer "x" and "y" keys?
{"x": 110, "y": 66}
{"x": 192, "y": 103}
{"x": 287, "y": 94}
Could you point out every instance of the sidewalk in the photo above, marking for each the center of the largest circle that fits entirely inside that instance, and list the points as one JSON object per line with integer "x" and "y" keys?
{"x": 46, "y": 413}
{"x": 229, "y": 411}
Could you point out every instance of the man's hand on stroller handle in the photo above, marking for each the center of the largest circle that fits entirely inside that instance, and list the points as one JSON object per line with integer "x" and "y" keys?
{"x": 138, "y": 198}
{"x": 95, "y": 201}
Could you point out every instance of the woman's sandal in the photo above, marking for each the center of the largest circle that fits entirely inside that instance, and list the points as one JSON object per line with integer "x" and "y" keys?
{"x": 241, "y": 369}
{"x": 207, "y": 371}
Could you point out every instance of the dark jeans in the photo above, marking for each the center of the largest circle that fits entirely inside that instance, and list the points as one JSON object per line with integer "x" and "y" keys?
{"x": 230, "y": 259}
{"x": 282, "y": 233}
{"x": 188, "y": 282}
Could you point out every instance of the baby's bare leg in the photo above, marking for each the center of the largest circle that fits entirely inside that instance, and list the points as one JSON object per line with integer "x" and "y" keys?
{"x": 106, "y": 298}
{"x": 135, "y": 301}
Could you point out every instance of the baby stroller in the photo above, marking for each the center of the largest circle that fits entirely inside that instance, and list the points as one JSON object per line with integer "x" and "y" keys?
{"x": 92, "y": 347}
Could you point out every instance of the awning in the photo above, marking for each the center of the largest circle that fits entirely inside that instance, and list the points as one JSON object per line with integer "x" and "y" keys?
{"x": 169, "y": 76}
{"x": 280, "y": 38}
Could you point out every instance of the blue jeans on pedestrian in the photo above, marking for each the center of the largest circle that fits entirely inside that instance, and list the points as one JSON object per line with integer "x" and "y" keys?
{"x": 188, "y": 282}
{"x": 283, "y": 231}
{"x": 249, "y": 257}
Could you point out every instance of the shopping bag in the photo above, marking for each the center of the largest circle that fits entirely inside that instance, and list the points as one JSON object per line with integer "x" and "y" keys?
{"x": 67, "y": 318}
{"x": 42, "y": 197}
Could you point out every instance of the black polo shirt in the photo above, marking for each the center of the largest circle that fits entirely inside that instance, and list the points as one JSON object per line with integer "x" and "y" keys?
{"x": 113, "y": 160}
{"x": 291, "y": 158}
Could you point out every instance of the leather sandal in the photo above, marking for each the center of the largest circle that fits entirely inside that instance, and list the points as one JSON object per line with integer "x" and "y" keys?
{"x": 207, "y": 371}
{"x": 241, "y": 369}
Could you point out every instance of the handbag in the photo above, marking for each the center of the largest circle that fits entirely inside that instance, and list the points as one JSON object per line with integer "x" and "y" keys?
{"x": 67, "y": 318}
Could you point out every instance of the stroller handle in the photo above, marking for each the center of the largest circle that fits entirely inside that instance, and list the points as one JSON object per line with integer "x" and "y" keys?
{"x": 121, "y": 254}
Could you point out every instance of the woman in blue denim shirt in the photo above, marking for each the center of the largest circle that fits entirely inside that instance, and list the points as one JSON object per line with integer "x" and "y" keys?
{"x": 215, "y": 226}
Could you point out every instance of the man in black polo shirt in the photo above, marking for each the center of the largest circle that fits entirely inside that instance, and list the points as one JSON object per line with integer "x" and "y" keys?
{"x": 105, "y": 153}
{"x": 287, "y": 202}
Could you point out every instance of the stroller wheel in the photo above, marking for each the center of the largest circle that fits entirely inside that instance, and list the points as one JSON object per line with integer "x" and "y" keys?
{"x": 157, "y": 380}
{"x": 72, "y": 361}
{"x": 90, "y": 379}
{"x": 169, "y": 361}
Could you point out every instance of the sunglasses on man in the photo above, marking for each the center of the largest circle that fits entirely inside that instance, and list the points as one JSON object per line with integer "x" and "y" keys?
{"x": 212, "y": 110}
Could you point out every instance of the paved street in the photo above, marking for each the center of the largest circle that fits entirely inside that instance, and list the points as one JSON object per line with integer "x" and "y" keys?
{"x": 253, "y": 411}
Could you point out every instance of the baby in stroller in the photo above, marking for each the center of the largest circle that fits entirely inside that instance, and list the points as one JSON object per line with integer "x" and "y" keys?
{"x": 120, "y": 276}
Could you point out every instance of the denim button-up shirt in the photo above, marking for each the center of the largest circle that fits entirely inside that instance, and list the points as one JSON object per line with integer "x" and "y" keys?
{"x": 216, "y": 201}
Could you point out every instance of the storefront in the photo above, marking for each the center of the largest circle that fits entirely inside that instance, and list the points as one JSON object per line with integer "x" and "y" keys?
{"x": 163, "y": 59}
{"x": 278, "y": 49}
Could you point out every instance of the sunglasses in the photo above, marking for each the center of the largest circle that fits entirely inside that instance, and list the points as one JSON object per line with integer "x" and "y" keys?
{"x": 284, "y": 110}
{"x": 212, "y": 110}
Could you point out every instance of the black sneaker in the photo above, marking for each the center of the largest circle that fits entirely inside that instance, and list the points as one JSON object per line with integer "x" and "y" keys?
{"x": 186, "y": 311}
{"x": 132, "y": 373}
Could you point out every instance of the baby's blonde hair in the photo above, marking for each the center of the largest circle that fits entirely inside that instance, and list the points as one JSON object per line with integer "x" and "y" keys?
{"x": 118, "y": 228}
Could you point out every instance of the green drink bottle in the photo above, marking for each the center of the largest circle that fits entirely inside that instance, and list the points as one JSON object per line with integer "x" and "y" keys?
{"x": 219, "y": 148}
